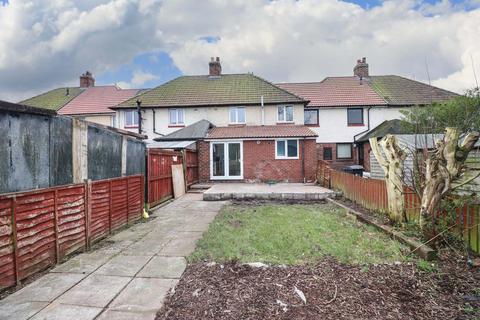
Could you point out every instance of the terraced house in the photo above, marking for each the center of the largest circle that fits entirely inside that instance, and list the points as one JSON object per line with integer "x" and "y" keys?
{"x": 252, "y": 129}
{"x": 87, "y": 101}
{"x": 343, "y": 109}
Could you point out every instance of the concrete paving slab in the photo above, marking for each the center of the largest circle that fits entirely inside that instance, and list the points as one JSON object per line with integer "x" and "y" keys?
{"x": 123, "y": 315}
{"x": 46, "y": 288}
{"x": 20, "y": 311}
{"x": 83, "y": 263}
{"x": 143, "y": 294}
{"x": 261, "y": 191}
{"x": 94, "y": 291}
{"x": 164, "y": 267}
{"x": 57, "y": 311}
{"x": 144, "y": 248}
{"x": 123, "y": 265}
{"x": 182, "y": 245}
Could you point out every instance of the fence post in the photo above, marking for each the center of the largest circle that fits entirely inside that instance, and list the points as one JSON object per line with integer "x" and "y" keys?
{"x": 55, "y": 216}
{"x": 88, "y": 213}
{"x": 110, "y": 208}
{"x": 184, "y": 166}
{"x": 14, "y": 240}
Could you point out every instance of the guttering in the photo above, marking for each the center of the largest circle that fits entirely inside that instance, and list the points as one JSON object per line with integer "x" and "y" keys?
{"x": 368, "y": 126}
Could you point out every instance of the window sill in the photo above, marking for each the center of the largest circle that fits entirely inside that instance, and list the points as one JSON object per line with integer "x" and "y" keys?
{"x": 131, "y": 127}
{"x": 176, "y": 125}
{"x": 286, "y": 122}
{"x": 237, "y": 124}
{"x": 312, "y": 125}
{"x": 285, "y": 158}
{"x": 356, "y": 125}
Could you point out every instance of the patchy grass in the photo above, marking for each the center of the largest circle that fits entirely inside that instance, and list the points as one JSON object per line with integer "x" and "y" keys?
{"x": 293, "y": 234}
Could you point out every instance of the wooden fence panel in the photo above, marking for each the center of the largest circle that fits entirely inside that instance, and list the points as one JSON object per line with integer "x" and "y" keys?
{"x": 372, "y": 194}
{"x": 39, "y": 228}
{"x": 191, "y": 167}
{"x": 160, "y": 184}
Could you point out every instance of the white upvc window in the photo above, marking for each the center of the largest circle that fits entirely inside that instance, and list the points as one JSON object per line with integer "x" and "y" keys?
{"x": 286, "y": 149}
{"x": 285, "y": 114}
{"x": 131, "y": 119}
{"x": 344, "y": 151}
{"x": 176, "y": 116}
{"x": 237, "y": 115}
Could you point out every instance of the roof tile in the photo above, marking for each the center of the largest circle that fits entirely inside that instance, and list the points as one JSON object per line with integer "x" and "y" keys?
{"x": 278, "y": 131}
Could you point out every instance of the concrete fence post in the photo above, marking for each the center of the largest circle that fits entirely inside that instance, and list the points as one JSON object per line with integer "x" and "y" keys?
{"x": 79, "y": 150}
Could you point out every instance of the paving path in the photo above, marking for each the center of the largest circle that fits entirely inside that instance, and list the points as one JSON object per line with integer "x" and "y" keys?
{"x": 127, "y": 277}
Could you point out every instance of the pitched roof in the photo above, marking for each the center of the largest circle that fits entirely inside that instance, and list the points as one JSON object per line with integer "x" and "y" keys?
{"x": 371, "y": 91}
{"x": 95, "y": 100}
{"x": 278, "y": 131}
{"x": 386, "y": 127}
{"x": 195, "y": 131}
{"x": 336, "y": 91}
{"x": 53, "y": 99}
{"x": 398, "y": 90}
{"x": 228, "y": 89}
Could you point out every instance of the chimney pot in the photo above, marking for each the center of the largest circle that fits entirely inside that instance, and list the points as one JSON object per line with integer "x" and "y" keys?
{"x": 361, "y": 69}
{"x": 87, "y": 80}
{"x": 215, "y": 68}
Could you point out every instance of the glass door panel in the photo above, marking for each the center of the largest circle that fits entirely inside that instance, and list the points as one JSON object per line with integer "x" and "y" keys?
{"x": 234, "y": 162}
{"x": 218, "y": 159}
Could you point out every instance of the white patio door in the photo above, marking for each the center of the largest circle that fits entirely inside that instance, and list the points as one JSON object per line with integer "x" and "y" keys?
{"x": 226, "y": 160}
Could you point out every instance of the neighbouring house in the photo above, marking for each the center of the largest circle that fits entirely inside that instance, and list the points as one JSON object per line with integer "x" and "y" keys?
{"x": 245, "y": 127}
{"x": 87, "y": 102}
{"x": 341, "y": 109}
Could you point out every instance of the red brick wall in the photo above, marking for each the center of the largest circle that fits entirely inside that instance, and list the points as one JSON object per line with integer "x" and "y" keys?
{"x": 336, "y": 163}
{"x": 259, "y": 163}
{"x": 366, "y": 156}
{"x": 203, "y": 160}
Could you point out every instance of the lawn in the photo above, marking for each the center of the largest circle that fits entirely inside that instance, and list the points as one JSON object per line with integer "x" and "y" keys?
{"x": 293, "y": 234}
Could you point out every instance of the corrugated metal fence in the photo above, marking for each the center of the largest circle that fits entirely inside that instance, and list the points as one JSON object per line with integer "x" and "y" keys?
{"x": 39, "y": 228}
{"x": 372, "y": 194}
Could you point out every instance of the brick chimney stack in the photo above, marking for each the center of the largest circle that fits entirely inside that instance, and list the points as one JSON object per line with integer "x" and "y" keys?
{"x": 87, "y": 80}
{"x": 361, "y": 69}
{"x": 215, "y": 68}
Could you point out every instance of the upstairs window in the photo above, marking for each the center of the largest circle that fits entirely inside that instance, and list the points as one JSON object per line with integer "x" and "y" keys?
{"x": 176, "y": 117}
{"x": 355, "y": 117}
{"x": 131, "y": 119}
{"x": 285, "y": 114}
{"x": 237, "y": 115}
{"x": 311, "y": 117}
{"x": 286, "y": 149}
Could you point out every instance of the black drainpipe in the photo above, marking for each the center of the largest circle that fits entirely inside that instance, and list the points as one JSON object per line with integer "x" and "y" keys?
{"x": 154, "y": 129}
{"x": 139, "y": 111}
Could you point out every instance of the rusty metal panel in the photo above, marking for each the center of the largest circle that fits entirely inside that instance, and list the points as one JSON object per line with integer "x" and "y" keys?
{"x": 71, "y": 219}
{"x": 35, "y": 225}
{"x": 7, "y": 263}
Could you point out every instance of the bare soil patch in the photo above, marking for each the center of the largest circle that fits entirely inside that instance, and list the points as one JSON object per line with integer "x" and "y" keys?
{"x": 332, "y": 290}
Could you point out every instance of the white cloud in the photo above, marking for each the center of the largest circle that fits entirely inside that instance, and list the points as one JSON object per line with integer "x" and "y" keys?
{"x": 139, "y": 78}
{"x": 48, "y": 43}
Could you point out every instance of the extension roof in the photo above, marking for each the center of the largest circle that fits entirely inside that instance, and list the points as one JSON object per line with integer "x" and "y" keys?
{"x": 279, "y": 131}
{"x": 195, "y": 131}
{"x": 386, "y": 127}
{"x": 389, "y": 90}
{"x": 228, "y": 89}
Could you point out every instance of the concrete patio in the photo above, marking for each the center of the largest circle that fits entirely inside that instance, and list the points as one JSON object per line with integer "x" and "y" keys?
{"x": 262, "y": 191}
{"x": 126, "y": 277}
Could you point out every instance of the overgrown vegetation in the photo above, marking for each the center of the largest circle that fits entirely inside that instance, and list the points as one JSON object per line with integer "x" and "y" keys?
{"x": 293, "y": 234}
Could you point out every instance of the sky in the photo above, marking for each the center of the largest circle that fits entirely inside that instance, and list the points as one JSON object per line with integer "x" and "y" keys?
{"x": 45, "y": 44}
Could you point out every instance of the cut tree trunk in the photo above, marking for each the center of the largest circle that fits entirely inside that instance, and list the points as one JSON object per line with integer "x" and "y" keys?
{"x": 443, "y": 167}
{"x": 392, "y": 162}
